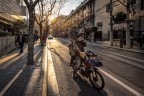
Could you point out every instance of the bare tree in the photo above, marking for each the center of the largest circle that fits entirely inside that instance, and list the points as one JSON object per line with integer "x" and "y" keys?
{"x": 31, "y": 6}
{"x": 46, "y": 9}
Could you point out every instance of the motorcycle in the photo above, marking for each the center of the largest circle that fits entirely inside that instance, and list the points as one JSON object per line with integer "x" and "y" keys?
{"x": 88, "y": 69}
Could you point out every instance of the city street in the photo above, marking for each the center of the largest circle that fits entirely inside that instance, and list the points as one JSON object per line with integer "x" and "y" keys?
{"x": 52, "y": 76}
{"x": 71, "y": 47}
{"x": 122, "y": 71}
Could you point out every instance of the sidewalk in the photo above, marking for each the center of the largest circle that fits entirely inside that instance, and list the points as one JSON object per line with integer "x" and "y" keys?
{"x": 28, "y": 79}
{"x": 107, "y": 44}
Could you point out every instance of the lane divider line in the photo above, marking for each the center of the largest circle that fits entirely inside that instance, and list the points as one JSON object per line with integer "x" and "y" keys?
{"x": 127, "y": 61}
{"x": 118, "y": 81}
{"x": 7, "y": 64}
{"x": 23, "y": 55}
{"x": 11, "y": 82}
{"x": 113, "y": 53}
{"x": 122, "y": 55}
{"x": 121, "y": 83}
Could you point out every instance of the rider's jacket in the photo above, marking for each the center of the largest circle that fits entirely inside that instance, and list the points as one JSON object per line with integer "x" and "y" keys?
{"x": 80, "y": 45}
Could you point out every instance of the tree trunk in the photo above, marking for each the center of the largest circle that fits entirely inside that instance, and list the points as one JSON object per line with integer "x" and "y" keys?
{"x": 31, "y": 39}
{"x": 41, "y": 36}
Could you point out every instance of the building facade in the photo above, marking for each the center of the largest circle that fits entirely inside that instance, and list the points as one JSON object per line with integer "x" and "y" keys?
{"x": 93, "y": 14}
{"x": 102, "y": 19}
{"x": 10, "y": 10}
{"x": 82, "y": 18}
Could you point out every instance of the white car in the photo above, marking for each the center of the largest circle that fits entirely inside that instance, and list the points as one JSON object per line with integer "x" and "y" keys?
{"x": 50, "y": 37}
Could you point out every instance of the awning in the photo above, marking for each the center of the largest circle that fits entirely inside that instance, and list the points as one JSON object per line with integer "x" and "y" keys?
{"x": 18, "y": 17}
{"x": 6, "y": 17}
{"x": 2, "y": 21}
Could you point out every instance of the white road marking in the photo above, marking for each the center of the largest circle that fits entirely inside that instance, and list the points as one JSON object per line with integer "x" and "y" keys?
{"x": 118, "y": 81}
{"x": 127, "y": 61}
{"x": 122, "y": 84}
{"x": 37, "y": 53}
{"x": 114, "y": 53}
{"x": 10, "y": 62}
{"x": 11, "y": 82}
{"x": 121, "y": 55}
{"x": 38, "y": 63}
{"x": 7, "y": 64}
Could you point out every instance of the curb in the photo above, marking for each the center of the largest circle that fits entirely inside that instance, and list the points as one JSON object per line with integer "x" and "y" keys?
{"x": 49, "y": 86}
{"x": 44, "y": 67}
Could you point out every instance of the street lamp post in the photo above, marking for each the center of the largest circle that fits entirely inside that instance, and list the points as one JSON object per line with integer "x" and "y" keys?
{"x": 111, "y": 23}
{"x": 128, "y": 28}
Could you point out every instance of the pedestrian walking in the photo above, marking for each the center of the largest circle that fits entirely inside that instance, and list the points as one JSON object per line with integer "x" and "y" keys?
{"x": 21, "y": 40}
{"x": 35, "y": 38}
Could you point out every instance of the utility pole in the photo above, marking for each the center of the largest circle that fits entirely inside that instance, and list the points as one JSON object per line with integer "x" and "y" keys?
{"x": 111, "y": 23}
{"x": 128, "y": 27}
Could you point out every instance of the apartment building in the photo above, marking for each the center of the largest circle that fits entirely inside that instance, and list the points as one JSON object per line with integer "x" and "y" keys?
{"x": 102, "y": 19}
{"x": 10, "y": 10}
{"x": 82, "y": 18}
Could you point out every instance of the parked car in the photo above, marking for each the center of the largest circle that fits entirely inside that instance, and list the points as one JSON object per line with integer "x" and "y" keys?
{"x": 50, "y": 37}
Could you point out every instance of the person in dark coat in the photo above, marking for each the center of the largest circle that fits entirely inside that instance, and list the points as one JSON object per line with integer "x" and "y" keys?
{"x": 21, "y": 41}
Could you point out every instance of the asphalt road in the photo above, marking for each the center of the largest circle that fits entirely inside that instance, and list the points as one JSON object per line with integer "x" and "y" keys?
{"x": 14, "y": 76}
{"x": 122, "y": 71}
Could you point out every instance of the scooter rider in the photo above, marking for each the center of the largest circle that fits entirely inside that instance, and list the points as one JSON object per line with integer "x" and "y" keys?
{"x": 80, "y": 44}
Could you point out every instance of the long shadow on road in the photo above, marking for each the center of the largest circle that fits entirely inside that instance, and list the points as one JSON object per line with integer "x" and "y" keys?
{"x": 29, "y": 82}
{"x": 85, "y": 88}
{"x": 88, "y": 89}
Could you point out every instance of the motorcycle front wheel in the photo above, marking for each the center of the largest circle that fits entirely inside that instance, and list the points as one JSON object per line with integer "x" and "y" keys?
{"x": 96, "y": 80}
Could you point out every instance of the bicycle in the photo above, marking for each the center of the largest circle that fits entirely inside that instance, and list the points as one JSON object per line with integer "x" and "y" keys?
{"x": 90, "y": 70}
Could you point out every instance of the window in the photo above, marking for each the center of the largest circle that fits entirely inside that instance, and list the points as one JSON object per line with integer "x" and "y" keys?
{"x": 142, "y": 4}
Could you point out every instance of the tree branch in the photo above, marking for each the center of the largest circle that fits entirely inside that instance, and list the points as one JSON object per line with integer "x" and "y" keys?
{"x": 35, "y": 3}
{"x": 27, "y": 3}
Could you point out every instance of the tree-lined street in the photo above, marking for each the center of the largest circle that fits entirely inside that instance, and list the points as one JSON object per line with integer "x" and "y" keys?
{"x": 71, "y": 48}
{"x": 122, "y": 71}
{"x": 122, "y": 76}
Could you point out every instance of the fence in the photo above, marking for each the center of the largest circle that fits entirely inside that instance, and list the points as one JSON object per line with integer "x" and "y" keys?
{"x": 7, "y": 44}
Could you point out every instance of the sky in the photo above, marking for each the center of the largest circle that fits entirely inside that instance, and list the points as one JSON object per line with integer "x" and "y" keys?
{"x": 69, "y": 6}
